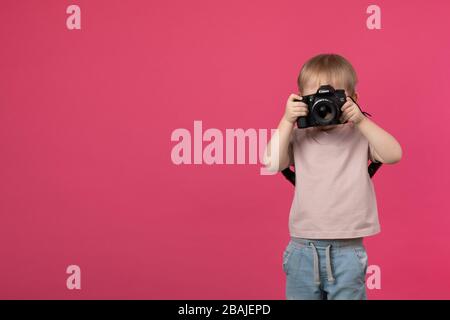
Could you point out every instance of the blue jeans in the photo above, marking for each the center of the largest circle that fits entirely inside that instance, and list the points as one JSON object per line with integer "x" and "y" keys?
{"x": 325, "y": 269}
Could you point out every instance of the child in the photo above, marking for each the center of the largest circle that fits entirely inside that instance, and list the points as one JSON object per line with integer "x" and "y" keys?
{"x": 334, "y": 204}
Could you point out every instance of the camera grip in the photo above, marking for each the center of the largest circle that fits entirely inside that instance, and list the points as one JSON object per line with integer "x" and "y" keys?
{"x": 301, "y": 122}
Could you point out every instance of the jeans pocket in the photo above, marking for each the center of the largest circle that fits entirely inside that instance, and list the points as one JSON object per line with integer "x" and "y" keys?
{"x": 361, "y": 257}
{"x": 286, "y": 255}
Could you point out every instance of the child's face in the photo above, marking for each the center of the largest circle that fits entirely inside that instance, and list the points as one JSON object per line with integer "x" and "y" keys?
{"x": 312, "y": 87}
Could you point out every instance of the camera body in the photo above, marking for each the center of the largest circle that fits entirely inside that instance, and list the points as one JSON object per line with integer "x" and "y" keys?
{"x": 324, "y": 107}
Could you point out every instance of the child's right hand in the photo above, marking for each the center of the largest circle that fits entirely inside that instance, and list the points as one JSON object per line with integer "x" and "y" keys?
{"x": 295, "y": 109}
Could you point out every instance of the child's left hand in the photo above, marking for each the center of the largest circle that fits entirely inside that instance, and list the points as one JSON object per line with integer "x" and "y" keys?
{"x": 351, "y": 112}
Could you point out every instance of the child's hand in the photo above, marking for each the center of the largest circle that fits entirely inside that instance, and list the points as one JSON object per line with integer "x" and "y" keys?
{"x": 295, "y": 109}
{"x": 351, "y": 112}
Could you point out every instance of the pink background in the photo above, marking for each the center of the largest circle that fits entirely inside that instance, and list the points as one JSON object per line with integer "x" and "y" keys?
{"x": 86, "y": 118}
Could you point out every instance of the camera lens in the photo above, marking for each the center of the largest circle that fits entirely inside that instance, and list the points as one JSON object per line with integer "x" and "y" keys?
{"x": 324, "y": 112}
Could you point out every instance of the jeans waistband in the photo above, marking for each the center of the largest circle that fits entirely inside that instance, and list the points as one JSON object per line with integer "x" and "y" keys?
{"x": 336, "y": 243}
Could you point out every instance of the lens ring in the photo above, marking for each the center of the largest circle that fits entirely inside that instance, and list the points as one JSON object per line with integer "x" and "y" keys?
{"x": 317, "y": 109}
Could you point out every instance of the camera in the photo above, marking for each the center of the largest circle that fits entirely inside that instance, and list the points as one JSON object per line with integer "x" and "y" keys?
{"x": 324, "y": 107}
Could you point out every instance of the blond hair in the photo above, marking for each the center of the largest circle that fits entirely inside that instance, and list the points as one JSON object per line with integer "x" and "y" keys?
{"x": 333, "y": 68}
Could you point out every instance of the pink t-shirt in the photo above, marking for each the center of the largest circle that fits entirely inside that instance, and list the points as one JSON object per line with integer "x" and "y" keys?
{"x": 334, "y": 196}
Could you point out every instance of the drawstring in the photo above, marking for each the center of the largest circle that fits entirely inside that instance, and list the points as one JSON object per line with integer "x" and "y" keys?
{"x": 316, "y": 264}
{"x": 328, "y": 257}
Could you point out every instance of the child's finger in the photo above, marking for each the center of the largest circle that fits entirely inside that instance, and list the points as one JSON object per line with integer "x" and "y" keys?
{"x": 346, "y": 105}
{"x": 350, "y": 115}
{"x": 346, "y": 112}
{"x": 345, "y": 116}
{"x": 300, "y": 111}
{"x": 294, "y": 96}
{"x": 298, "y": 104}
{"x": 350, "y": 99}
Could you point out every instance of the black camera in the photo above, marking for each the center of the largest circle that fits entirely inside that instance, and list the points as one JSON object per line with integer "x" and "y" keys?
{"x": 324, "y": 107}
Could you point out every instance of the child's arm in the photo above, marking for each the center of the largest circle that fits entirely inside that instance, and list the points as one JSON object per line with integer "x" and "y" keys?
{"x": 385, "y": 147}
{"x": 282, "y": 135}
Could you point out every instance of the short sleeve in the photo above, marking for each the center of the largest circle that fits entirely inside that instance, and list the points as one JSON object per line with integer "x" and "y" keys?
{"x": 291, "y": 148}
{"x": 373, "y": 156}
